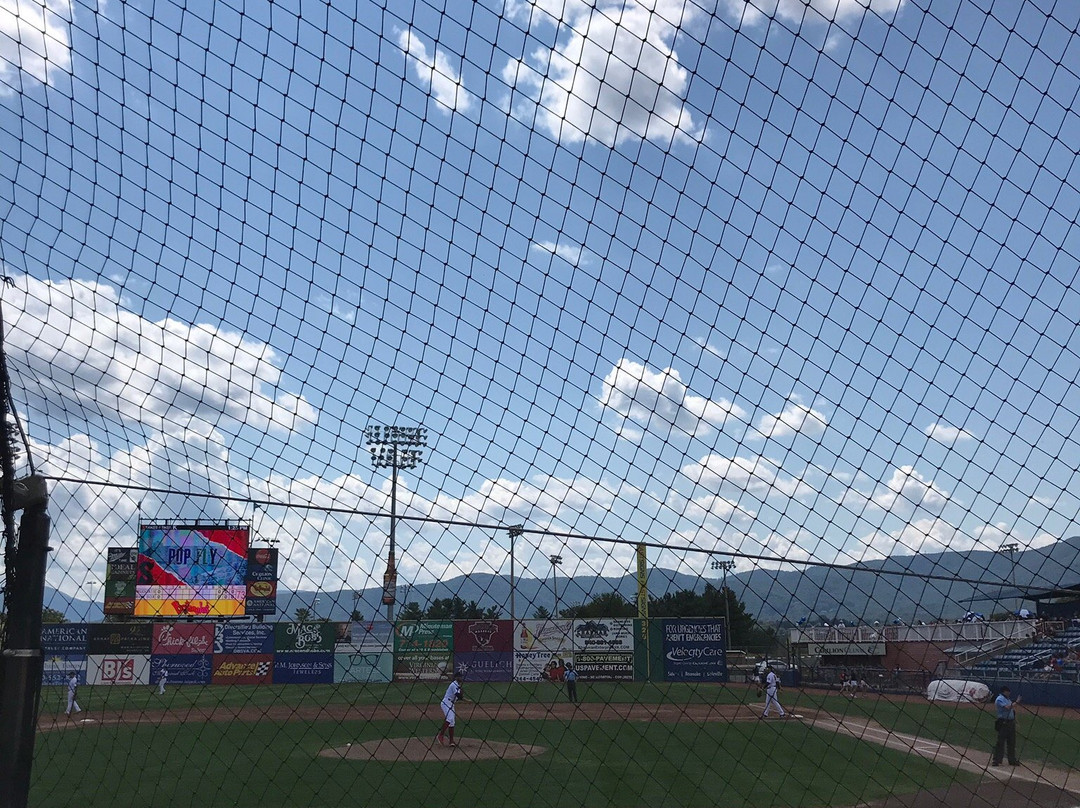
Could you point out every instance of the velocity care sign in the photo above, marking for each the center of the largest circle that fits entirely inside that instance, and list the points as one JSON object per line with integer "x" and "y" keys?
{"x": 694, "y": 650}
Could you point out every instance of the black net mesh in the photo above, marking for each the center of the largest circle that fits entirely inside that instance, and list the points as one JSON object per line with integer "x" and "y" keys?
{"x": 605, "y": 353}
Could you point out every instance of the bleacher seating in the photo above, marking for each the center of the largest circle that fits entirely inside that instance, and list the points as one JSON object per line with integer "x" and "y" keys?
{"x": 1033, "y": 658}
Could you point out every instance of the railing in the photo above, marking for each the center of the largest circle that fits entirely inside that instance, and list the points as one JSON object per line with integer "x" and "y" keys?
{"x": 1004, "y": 631}
{"x": 968, "y": 656}
{"x": 1010, "y": 672}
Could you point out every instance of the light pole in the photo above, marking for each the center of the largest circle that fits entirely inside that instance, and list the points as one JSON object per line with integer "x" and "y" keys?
{"x": 390, "y": 448}
{"x": 514, "y": 531}
{"x": 556, "y": 560}
{"x": 1012, "y": 548}
{"x": 725, "y": 566}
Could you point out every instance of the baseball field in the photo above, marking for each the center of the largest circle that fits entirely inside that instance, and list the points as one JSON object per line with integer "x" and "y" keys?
{"x": 633, "y": 744}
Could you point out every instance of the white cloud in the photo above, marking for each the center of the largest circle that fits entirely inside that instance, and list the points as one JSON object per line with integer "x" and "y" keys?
{"x": 34, "y": 40}
{"x": 795, "y": 418}
{"x": 540, "y": 501}
{"x": 613, "y": 74}
{"x": 435, "y": 73}
{"x": 709, "y": 507}
{"x": 84, "y": 353}
{"x": 708, "y": 346}
{"x": 752, "y": 12}
{"x": 757, "y": 476}
{"x": 947, "y": 435}
{"x": 656, "y": 399}
{"x": 570, "y": 253}
{"x": 922, "y": 536}
{"x": 907, "y": 491}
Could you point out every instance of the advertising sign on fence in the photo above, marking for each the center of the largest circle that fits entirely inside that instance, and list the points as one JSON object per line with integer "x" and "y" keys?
{"x": 120, "y": 638}
{"x": 303, "y": 638}
{"x": 64, "y": 638}
{"x": 483, "y": 636}
{"x": 183, "y": 638}
{"x": 378, "y": 635}
{"x": 244, "y": 638}
{"x": 184, "y": 669}
{"x": 118, "y": 669}
{"x": 544, "y": 635}
{"x": 424, "y": 635}
{"x": 600, "y": 665}
{"x": 58, "y": 667}
{"x": 423, "y": 665}
{"x": 304, "y": 668}
{"x": 485, "y": 666}
{"x": 364, "y": 666}
{"x": 423, "y": 650}
{"x": 243, "y": 669}
{"x": 540, "y": 666}
{"x": 694, "y": 650}
{"x": 604, "y": 634}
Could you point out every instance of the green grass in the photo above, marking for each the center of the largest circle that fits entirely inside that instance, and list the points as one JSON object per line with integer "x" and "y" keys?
{"x": 268, "y": 764}
{"x": 1047, "y": 738}
{"x": 735, "y": 765}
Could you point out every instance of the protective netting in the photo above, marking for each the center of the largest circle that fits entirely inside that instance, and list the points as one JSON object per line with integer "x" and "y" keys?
{"x": 649, "y": 340}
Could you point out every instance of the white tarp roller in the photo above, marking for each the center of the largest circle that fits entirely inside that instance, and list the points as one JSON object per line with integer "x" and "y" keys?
{"x": 957, "y": 690}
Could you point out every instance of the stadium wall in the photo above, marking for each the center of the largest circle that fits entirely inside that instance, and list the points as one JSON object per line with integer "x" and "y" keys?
{"x": 602, "y": 649}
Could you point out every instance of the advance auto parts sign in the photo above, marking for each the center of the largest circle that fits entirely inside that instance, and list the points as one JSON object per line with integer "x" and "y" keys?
{"x": 694, "y": 651}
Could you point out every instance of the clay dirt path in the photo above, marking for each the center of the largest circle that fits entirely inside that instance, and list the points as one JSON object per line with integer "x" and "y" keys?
{"x": 1024, "y": 786}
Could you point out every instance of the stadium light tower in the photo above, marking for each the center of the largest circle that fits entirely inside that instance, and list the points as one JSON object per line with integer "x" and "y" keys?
{"x": 725, "y": 566}
{"x": 394, "y": 447}
{"x": 556, "y": 560}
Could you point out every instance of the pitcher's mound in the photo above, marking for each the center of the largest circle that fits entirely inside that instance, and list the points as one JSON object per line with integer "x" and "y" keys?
{"x": 423, "y": 749}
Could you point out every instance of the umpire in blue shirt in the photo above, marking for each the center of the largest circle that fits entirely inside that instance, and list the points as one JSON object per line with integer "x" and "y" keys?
{"x": 1006, "y": 727}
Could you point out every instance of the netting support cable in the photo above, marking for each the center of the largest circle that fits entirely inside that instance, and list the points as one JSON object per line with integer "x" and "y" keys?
{"x": 518, "y": 530}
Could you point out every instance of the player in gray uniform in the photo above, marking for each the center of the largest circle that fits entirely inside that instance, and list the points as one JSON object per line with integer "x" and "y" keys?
{"x": 453, "y": 694}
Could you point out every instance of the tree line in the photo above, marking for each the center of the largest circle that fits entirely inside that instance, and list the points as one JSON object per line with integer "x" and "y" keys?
{"x": 744, "y": 631}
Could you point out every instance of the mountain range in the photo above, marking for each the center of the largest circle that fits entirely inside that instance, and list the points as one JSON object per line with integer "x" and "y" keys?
{"x": 907, "y": 588}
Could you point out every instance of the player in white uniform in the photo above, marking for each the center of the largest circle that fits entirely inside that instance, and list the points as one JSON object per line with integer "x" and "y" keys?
{"x": 73, "y": 689}
{"x": 772, "y": 684}
{"x": 162, "y": 680}
{"x": 453, "y": 694}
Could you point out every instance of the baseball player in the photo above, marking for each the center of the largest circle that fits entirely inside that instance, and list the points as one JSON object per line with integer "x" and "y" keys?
{"x": 772, "y": 684}
{"x": 453, "y": 694}
{"x": 73, "y": 690}
{"x": 162, "y": 680}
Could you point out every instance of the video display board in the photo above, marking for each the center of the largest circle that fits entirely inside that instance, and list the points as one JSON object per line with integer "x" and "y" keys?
{"x": 192, "y": 571}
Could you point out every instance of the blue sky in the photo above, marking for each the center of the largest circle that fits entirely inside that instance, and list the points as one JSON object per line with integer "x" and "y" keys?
{"x": 782, "y": 278}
